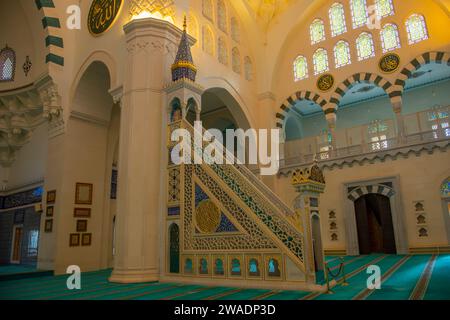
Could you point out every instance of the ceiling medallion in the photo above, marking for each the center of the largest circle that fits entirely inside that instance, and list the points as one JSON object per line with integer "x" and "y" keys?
{"x": 389, "y": 63}
{"x": 325, "y": 82}
{"x": 102, "y": 15}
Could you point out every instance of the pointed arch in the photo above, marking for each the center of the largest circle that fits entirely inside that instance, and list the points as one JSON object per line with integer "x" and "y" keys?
{"x": 7, "y": 64}
{"x": 290, "y": 102}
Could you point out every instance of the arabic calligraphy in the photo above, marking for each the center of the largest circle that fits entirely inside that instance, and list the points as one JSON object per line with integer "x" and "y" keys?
{"x": 102, "y": 15}
{"x": 325, "y": 82}
{"x": 389, "y": 63}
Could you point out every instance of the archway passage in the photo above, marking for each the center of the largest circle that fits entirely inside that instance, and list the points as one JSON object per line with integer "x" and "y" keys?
{"x": 375, "y": 226}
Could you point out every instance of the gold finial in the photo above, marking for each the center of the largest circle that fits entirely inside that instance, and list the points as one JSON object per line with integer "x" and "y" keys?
{"x": 185, "y": 23}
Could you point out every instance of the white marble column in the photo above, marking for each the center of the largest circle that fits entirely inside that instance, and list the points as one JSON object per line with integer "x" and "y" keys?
{"x": 151, "y": 47}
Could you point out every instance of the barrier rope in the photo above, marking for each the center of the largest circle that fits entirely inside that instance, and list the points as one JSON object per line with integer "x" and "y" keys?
{"x": 328, "y": 273}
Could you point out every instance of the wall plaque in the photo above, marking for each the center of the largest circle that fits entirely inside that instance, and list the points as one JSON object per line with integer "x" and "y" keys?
{"x": 102, "y": 15}
{"x": 389, "y": 62}
{"x": 325, "y": 82}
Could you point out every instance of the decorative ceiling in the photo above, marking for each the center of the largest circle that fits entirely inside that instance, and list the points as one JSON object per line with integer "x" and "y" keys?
{"x": 267, "y": 10}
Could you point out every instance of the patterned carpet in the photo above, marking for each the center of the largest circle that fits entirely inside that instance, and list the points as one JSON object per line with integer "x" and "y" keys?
{"x": 421, "y": 277}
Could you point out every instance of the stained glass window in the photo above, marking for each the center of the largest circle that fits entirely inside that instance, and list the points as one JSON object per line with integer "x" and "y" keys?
{"x": 337, "y": 19}
{"x": 236, "y": 60}
{"x": 222, "y": 15}
{"x": 7, "y": 64}
{"x": 235, "y": 32}
{"x": 320, "y": 59}
{"x": 445, "y": 188}
{"x": 223, "y": 51}
{"x": 300, "y": 68}
{"x": 248, "y": 66}
{"x": 208, "y": 42}
{"x": 317, "y": 31}
{"x": 342, "y": 54}
{"x": 364, "y": 46}
{"x": 416, "y": 28}
{"x": 384, "y": 8}
{"x": 389, "y": 37}
{"x": 359, "y": 13}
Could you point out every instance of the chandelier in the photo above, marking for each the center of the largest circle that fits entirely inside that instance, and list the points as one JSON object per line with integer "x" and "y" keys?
{"x": 158, "y": 9}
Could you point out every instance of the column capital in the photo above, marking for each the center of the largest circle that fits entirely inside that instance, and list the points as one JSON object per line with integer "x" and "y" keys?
{"x": 117, "y": 95}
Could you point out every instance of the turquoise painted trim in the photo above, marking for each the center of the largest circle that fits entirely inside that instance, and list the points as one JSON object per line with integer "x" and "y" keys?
{"x": 50, "y": 22}
{"x": 55, "y": 59}
{"x": 55, "y": 41}
{"x": 44, "y": 4}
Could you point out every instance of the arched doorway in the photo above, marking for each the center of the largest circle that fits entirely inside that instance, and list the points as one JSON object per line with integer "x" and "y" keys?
{"x": 174, "y": 248}
{"x": 317, "y": 241}
{"x": 374, "y": 224}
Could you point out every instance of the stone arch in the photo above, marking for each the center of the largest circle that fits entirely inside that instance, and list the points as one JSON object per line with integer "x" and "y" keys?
{"x": 362, "y": 77}
{"x": 289, "y": 103}
{"x": 359, "y": 192}
{"x": 439, "y": 57}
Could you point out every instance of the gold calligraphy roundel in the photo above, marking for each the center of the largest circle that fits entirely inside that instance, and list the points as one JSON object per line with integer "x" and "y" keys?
{"x": 325, "y": 82}
{"x": 102, "y": 15}
{"x": 207, "y": 217}
{"x": 389, "y": 62}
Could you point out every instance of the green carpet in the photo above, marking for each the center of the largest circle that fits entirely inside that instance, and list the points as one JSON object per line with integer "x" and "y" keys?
{"x": 403, "y": 277}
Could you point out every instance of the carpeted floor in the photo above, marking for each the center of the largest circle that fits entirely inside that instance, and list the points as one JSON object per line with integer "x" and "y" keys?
{"x": 421, "y": 277}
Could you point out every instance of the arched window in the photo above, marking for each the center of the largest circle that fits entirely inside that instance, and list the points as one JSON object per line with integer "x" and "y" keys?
{"x": 248, "y": 66}
{"x": 317, "y": 31}
{"x": 320, "y": 59}
{"x": 235, "y": 32}
{"x": 364, "y": 46}
{"x": 203, "y": 266}
{"x": 188, "y": 266}
{"x": 300, "y": 68}
{"x": 342, "y": 54}
{"x": 359, "y": 13}
{"x": 218, "y": 268}
{"x": 253, "y": 268}
{"x": 208, "y": 9}
{"x": 192, "y": 26}
{"x": 416, "y": 28}
{"x": 445, "y": 189}
{"x": 223, "y": 51}
{"x": 222, "y": 15}
{"x": 236, "y": 59}
{"x": 337, "y": 19}
{"x": 208, "y": 42}
{"x": 274, "y": 268}
{"x": 389, "y": 37}
{"x": 236, "y": 267}
{"x": 384, "y": 8}
{"x": 7, "y": 64}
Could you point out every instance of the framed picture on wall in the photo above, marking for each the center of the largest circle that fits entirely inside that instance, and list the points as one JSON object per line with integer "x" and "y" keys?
{"x": 86, "y": 239}
{"x": 51, "y": 196}
{"x": 50, "y": 211}
{"x": 48, "y": 225}
{"x": 82, "y": 225}
{"x": 83, "y": 193}
{"x": 74, "y": 240}
{"x": 82, "y": 212}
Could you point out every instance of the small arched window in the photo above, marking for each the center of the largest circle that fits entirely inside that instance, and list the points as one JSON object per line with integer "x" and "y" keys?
{"x": 208, "y": 41}
{"x": 364, "y": 46}
{"x": 222, "y": 15}
{"x": 389, "y": 37}
{"x": 236, "y": 59}
{"x": 359, "y": 11}
{"x": 300, "y": 68}
{"x": 416, "y": 28}
{"x": 248, "y": 65}
{"x": 208, "y": 9}
{"x": 342, "y": 54}
{"x": 320, "y": 59}
{"x": 7, "y": 64}
{"x": 235, "y": 32}
{"x": 384, "y": 8}
{"x": 317, "y": 31}
{"x": 223, "y": 51}
{"x": 337, "y": 19}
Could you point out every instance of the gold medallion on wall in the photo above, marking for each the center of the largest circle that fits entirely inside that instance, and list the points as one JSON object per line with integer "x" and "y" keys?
{"x": 389, "y": 63}
{"x": 325, "y": 82}
{"x": 102, "y": 15}
{"x": 207, "y": 217}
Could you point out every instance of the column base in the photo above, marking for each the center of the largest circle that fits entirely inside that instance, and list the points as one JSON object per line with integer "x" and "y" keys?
{"x": 134, "y": 276}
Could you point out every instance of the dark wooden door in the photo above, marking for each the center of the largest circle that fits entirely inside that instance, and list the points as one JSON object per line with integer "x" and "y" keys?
{"x": 374, "y": 224}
